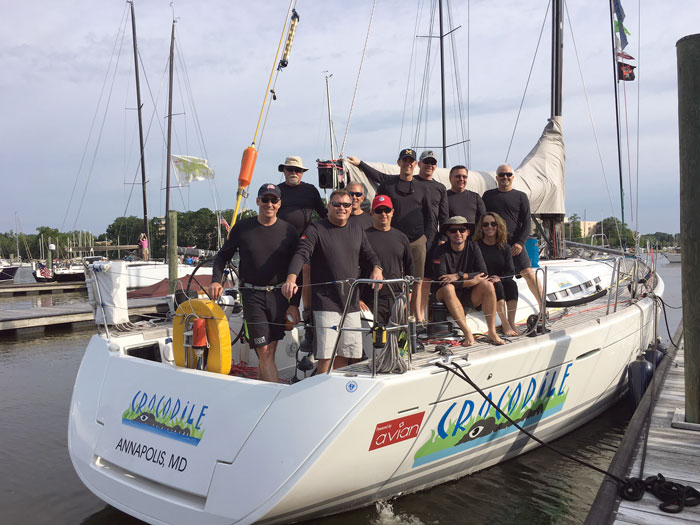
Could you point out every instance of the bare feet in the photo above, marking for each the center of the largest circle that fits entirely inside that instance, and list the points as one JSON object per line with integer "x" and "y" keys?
{"x": 468, "y": 340}
{"x": 511, "y": 332}
{"x": 494, "y": 339}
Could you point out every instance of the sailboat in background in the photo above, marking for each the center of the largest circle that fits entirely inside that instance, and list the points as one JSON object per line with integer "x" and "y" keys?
{"x": 164, "y": 437}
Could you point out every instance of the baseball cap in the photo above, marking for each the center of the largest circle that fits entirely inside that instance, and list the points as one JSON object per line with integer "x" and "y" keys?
{"x": 408, "y": 152}
{"x": 428, "y": 154}
{"x": 269, "y": 189}
{"x": 382, "y": 200}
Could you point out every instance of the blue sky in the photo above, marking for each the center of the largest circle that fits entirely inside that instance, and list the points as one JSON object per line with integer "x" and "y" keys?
{"x": 55, "y": 56}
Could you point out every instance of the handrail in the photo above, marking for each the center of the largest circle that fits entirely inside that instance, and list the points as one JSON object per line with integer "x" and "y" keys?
{"x": 611, "y": 251}
{"x": 406, "y": 283}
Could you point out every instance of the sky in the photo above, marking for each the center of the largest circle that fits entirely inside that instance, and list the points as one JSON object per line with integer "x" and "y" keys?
{"x": 68, "y": 131}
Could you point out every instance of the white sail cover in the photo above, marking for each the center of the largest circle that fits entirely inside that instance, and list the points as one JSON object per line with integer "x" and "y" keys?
{"x": 540, "y": 175}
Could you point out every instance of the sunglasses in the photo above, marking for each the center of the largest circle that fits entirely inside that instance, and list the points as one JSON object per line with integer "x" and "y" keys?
{"x": 356, "y": 193}
{"x": 273, "y": 200}
{"x": 493, "y": 224}
{"x": 430, "y": 162}
{"x": 383, "y": 209}
{"x": 460, "y": 176}
{"x": 293, "y": 170}
{"x": 505, "y": 174}
{"x": 337, "y": 204}
{"x": 461, "y": 229}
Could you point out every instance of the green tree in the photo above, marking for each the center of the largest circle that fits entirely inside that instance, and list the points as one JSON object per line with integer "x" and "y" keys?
{"x": 573, "y": 228}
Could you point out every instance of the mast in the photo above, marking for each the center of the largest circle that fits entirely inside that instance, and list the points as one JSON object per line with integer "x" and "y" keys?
{"x": 617, "y": 118}
{"x": 170, "y": 131}
{"x": 330, "y": 117}
{"x": 442, "y": 88}
{"x": 138, "y": 107}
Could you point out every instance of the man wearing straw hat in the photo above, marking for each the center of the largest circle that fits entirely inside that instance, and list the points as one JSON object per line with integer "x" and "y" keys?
{"x": 299, "y": 199}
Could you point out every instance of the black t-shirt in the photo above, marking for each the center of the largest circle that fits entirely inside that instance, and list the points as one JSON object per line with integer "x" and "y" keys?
{"x": 411, "y": 201}
{"x": 297, "y": 204}
{"x": 335, "y": 254}
{"x": 394, "y": 253}
{"x": 446, "y": 261}
{"x": 438, "y": 202}
{"x": 467, "y": 204}
{"x": 363, "y": 220}
{"x": 514, "y": 207}
{"x": 499, "y": 260}
{"x": 265, "y": 251}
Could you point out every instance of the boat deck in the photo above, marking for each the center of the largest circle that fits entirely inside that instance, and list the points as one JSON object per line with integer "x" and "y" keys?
{"x": 560, "y": 319}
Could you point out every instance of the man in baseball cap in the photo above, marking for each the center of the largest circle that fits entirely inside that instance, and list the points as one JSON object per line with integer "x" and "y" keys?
{"x": 266, "y": 245}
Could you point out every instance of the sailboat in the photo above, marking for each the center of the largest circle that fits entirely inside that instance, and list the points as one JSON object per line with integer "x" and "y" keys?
{"x": 164, "y": 437}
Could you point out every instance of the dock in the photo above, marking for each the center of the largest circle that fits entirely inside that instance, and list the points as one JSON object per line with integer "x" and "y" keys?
{"x": 672, "y": 449}
{"x": 24, "y": 289}
{"x": 68, "y": 314}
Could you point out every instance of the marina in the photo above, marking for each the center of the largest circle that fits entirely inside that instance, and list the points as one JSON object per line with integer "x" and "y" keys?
{"x": 22, "y": 289}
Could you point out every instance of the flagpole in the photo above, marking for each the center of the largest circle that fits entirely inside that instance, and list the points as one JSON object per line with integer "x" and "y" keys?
{"x": 617, "y": 117}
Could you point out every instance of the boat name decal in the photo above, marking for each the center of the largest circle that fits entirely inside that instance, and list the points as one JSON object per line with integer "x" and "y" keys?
{"x": 527, "y": 401}
{"x": 152, "y": 454}
{"x": 401, "y": 429}
{"x": 166, "y": 416}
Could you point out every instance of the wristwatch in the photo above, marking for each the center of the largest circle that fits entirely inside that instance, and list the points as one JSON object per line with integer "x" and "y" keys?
{"x": 380, "y": 268}
{"x": 460, "y": 275}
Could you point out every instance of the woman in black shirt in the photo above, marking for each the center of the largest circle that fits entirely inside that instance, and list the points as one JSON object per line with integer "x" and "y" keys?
{"x": 491, "y": 234}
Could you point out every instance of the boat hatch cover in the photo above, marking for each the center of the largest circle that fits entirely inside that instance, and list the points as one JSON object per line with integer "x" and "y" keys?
{"x": 172, "y": 425}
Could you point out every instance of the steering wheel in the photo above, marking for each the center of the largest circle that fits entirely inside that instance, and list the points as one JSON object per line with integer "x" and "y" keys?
{"x": 229, "y": 278}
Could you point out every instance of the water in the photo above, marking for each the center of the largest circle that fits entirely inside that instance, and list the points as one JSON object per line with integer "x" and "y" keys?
{"x": 38, "y": 484}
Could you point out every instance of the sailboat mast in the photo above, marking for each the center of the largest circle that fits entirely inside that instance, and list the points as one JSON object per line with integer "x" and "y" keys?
{"x": 170, "y": 131}
{"x": 330, "y": 117}
{"x": 442, "y": 88}
{"x": 138, "y": 107}
{"x": 617, "y": 117}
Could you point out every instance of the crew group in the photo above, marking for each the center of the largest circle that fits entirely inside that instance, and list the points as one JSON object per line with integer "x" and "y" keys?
{"x": 416, "y": 227}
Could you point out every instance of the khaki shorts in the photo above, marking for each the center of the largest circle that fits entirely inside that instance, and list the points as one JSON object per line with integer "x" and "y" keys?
{"x": 350, "y": 342}
{"x": 418, "y": 253}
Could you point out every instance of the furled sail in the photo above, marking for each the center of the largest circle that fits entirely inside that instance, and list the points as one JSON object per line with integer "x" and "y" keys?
{"x": 540, "y": 175}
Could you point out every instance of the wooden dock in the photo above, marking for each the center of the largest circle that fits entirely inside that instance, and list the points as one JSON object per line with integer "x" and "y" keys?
{"x": 673, "y": 452}
{"x": 67, "y": 314}
{"x": 23, "y": 289}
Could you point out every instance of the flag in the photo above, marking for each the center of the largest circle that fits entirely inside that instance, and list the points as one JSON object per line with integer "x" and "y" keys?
{"x": 622, "y": 30}
{"x": 625, "y": 71}
{"x": 625, "y": 56}
{"x": 619, "y": 12}
{"x": 225, "y": 224}
{"x": 44, "y": 271}
{"x": 189, "y": 169}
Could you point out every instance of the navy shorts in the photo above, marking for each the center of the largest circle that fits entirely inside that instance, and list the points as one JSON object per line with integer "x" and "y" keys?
{"x": 265, "y": 315}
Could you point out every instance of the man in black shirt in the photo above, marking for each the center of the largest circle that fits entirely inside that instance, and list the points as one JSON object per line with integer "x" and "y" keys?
{"x": 412, "y": 212}
{"x": 463, "y": 279}
{"x": 334, "y": 248}
{"x": 265, "y": 244}
{"x": 460, "y": 200}
{"x": 357, "y": 214}
{"x": 394, "y": 252}
{"x": 299, "y": 200}
{"x": 514, "y": 207}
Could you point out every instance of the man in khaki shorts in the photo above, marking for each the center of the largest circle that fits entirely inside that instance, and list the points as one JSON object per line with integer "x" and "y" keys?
{"x": 336, "y": 250}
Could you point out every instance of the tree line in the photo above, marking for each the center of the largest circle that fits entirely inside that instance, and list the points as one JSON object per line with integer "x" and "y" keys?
{"x": 199, "y": 229}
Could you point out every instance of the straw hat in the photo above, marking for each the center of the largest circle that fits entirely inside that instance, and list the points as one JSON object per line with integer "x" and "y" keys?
{"x": 292, "y": 162}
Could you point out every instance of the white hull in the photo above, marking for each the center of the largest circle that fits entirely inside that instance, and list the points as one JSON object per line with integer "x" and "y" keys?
{"x": 279, "y": 453}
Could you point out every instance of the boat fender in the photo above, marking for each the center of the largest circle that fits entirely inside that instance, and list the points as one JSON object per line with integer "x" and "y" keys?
{"x": 250, "y": 155}
{"x": 639, "y": 375}
{"x": 216, "y": 333}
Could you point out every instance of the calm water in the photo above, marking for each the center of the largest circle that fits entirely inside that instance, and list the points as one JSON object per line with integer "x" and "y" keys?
{"x": 38, "y": 484}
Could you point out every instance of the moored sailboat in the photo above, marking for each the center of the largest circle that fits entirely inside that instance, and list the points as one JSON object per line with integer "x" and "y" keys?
{"x": 156, "y": 434}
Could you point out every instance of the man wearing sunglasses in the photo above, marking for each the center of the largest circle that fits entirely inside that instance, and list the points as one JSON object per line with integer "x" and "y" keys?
{"x": 265, "y": 244}
{"x": 460, "y": 200}
{"x": 299, "y": 198}
{"x": 357, "y": 214}
{"x": 462, "y": 279}
{"x": 334, "y": 247}
{"x": 412, "y": 212}
{"x": 394, "y": 252}
{"x": 514, "y": 207}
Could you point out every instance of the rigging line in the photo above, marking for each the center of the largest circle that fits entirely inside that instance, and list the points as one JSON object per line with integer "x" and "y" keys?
{"x": 469, "y": 67}
{"x": 460, "y": 105}
{"x": 590, "y": 114}
{"x": 639, "y": 87}
{"x": 627, "y": 137}
{"x": 292, "y": 4}
{"x": 99, "y": 136}
{"x": 425, "y": 83}
{"x": 529, "y": 75}
{"x": 357, "y": 81}
{"x": 122, "y": 30}
{"x": 267, "y": 111}
{"x": 409, "y": 76}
